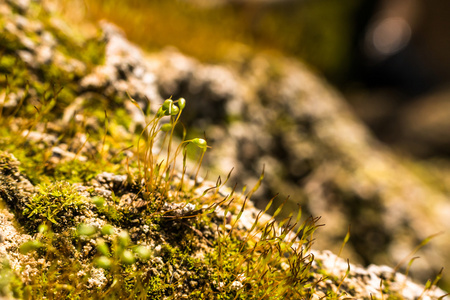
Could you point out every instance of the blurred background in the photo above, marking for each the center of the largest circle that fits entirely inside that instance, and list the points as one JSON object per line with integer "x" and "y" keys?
{"x": 388, "y": 57}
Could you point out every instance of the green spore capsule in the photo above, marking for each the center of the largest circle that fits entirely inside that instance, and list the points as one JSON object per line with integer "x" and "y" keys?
{"x": 166, "y": 127}
{"x": 181, "y": 103}
{"x": 201, "y": 143}
{"x": 127, "y": 257}
{"x": 160, "y": 113}
{"x": 103, "y": 262}
{"x": 107, "y": 229}
{"x": 85, "y": 229}
{"x": 143, "y": 252}
{"x": 102, "y": 247}
{"x": 174, "y": 110}
{"x": 98, "y": 201}
{"x": 167, "y": 104}
{"x": 43, "y": 228}
{"x": 30, "y": 246}
{"x": 124, "y": 238}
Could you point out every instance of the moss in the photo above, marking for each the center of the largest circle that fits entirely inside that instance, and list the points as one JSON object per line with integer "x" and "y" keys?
{"x": 7, "y": 164}
{"x": 36, "y": 157}
{"x": 73, "y": 45}
{"x": 156, "y": 288}
{"x": 76, "y": 171}
{"x": 111, "y": 213}
{"x": 57, "y": 203}
{"x": 200, "y": 256}
{"x": 10, "y": 283}
{"x": 32, "y": 161}
{"x": 122, "y": 117}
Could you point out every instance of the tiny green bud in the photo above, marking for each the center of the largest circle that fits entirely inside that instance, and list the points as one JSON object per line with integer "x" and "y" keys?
{"x": 85, "y": 229}
{"x": 166, "y": 127}
{"x": 30, "y": 246}
{"x": 107, "y": 229}
{"x": 174, "y": 110}
{"x": 124, "y": 238}
{"x": 102, "y": 247}
{"x": 127, "y": 257}
{"x": 201, "y": 143}
{"x": 98, "y": 201}
{"x": 63, "y": 287}
{"x": 160, "y": 113}
{"x": 181, "y": 103}
{"x": 143, "y": 252}
{"x": 43, "y": 228}
{"x": 103, "y": 262}
{"x": 167, "y": 104}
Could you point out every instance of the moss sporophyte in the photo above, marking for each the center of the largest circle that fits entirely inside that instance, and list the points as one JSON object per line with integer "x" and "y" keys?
{"x": 157, "y": 233}
{"x": 180, "y": 243}
{"x": 110, "y": 214}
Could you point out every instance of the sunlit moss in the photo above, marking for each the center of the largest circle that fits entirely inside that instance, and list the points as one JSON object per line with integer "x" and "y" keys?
{"x": 58, "y": 203}
{"x": 194, "y": 255}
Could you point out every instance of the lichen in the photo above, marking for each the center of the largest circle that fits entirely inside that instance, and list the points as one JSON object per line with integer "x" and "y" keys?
{"x": 114, "y": 214}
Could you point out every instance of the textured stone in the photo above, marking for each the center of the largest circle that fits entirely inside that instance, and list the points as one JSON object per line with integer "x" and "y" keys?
{"x": 277, "y": 114}
{"x": 258, "y": 111}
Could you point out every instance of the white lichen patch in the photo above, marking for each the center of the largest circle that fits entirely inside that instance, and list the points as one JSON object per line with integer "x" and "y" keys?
{"x": 11, "y": 237}
{"x": 97, "y": 278}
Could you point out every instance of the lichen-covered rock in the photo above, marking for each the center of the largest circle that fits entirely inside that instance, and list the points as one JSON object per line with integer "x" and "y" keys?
{"x": 273, "y": 112}
{"x": 331, "y": 276}
{"x": 424, "y": 125}
{"x": 93, "y": 212}
{"x": 367, "y": 283}
{"x": 15, "y": 189}
{"x": 124, "y": 71}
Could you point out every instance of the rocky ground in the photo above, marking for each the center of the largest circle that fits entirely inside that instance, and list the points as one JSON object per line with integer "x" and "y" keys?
{"x": 255, "y": 111}
{"x": 273, "y": 112}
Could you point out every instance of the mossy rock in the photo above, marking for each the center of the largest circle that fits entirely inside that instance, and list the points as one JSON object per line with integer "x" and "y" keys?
{"x": 114, "y": 214}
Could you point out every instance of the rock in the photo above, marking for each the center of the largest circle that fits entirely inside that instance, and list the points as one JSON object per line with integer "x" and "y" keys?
{"x": 124, "y": 71}
{"x": 425, "y": 124}
{"x": 257, "y": 110}
{"x": 366, "y": 283}
{"x": 277, "y": 114}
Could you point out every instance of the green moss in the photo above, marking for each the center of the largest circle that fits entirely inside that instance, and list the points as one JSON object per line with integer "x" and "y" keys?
{"x": 74, "y": 45}
{"x": 156, "y": 288}
{"x": 10, "y": 283}
{"x": 111, "y": 213}
{"x": 35, "y": 163}
{"x": 76, "y": 171}
{"x": 122, "y": 117}
{"x": 227, "y": 263}
{"x": 32, "y": 162}
{"x": 57, "y": 202}
{"x": 6, "y": 165}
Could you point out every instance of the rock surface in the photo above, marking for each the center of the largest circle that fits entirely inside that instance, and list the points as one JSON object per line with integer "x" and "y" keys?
{"x": 273, "y": 112}
{"x": 258, "y": 111}
{"x": 425, "y": 123}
